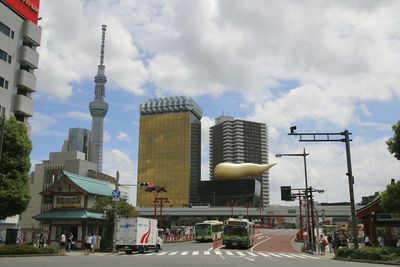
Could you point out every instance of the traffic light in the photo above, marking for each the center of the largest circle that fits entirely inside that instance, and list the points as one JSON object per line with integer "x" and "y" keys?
{"x": 146, "y": 184}
{"x": 286, "y": 193}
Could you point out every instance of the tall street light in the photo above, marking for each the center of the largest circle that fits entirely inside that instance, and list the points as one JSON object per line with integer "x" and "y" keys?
{"x": 304, "y": 155}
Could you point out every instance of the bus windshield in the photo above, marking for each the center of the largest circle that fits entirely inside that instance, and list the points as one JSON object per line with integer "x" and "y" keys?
{"x": 234, "y": 230}
{"x": 203, "y": 226}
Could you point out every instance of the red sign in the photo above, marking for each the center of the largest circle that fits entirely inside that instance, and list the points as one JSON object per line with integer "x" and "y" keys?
{"x": 29, "y": 9}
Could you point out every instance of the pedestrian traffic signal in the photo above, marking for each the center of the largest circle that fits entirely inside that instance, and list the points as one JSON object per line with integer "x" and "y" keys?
{"x": 286, "y": 193}
{"x": 146, "y": 184}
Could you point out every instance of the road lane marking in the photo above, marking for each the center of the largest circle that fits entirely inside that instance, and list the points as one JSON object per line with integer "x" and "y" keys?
{"x": 265, "y": 255}
{"x": 252, "y": 254}
{"x": 161, "y": 253}
{"x": 206, "y": 252}
{"x": 185, "y": 253}
{"x": 217, "y": 252}
{"x": 311, "y": 257}
{"x": 148, "y": 254}
{"x": 195, "y": 253}
{"x": 285, "y": 255}
{"x": 252, "y": 248}
{"x": 275, "y": 255}
{"x": 229, "y": 253}
{"x": 298, "y": 256}
{"x": 240, "y": 253}
{"x": 249, "y": 259}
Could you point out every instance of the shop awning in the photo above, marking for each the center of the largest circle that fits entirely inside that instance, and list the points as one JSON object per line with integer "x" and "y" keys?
{"x": 69, "y": 215}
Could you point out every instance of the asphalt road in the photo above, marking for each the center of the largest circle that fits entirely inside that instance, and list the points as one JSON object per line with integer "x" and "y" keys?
{"x": 272, "y": 248}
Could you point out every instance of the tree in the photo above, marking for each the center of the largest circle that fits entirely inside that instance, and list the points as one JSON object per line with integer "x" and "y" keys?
{"x": 394, "y": 142}
{"x": 106, "y": 205}
{"x": 14, "y": 168}
{"x": 390, "y": 198}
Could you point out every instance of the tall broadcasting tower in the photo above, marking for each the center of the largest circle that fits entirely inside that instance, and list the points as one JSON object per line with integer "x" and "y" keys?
{"x": 98, "y": 108}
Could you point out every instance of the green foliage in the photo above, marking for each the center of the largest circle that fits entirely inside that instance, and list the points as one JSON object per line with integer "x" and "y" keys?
{"x": 14, "y": 169}
{"x": 367, "y": 253}
{"x": 50, "y": 249}
{"x": 394, "y": 142}
{"x": 390, "y": 198}
{"x": 105, "y": 204}
{"x": 370, "y": 253}
{"x": 344, "y": 252}
{"x": 26, "y": 249}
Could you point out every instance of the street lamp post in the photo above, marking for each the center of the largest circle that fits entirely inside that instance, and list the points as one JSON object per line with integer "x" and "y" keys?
{"x": 304, "y": 155}
{"x": 332, "y": 137}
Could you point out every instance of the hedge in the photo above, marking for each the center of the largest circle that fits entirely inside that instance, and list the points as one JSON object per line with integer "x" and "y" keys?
{"x": 26, "y": 249}
{"x": 370, "y": 253}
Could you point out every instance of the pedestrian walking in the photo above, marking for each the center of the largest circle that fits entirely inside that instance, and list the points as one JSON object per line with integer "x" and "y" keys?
{"x": 93, "y": 242}
{"x": 367, "y": 242}
{"x": 41, "y": 241}
{"x": 381, "y": 241}
{"x": 69, "y": 241}
{"x": 62, "y": 241}
{"x": 330, "y": 242}
{"x": 88, "y": 243}
{"x": 98, "y": 240}
{"x": 322, "y": 243}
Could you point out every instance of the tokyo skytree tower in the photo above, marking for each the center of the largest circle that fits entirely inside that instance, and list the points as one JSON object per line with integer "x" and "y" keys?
{"x": 98, "y": 108}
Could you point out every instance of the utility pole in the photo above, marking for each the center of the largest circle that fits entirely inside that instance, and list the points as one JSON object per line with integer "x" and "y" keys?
{"x": 332, "y": 137}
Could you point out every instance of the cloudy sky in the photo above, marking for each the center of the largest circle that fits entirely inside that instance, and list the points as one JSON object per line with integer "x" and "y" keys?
{"x": 323, "y": 66}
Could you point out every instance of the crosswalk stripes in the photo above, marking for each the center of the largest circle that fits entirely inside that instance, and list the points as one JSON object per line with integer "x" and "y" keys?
{"x": 251, "y": 254}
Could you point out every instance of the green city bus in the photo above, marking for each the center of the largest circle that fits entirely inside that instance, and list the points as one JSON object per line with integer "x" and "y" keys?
{"x": 238, "y": 233}
{"x": 208, "y": 230}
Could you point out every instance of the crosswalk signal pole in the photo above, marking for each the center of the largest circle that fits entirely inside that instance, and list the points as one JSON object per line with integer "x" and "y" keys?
{"x": 116, "y": 214}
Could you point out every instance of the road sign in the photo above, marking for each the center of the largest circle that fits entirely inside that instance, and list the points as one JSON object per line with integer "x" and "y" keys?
{"x": 115, "y": 195}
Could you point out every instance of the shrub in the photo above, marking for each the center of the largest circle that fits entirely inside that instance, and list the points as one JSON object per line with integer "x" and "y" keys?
{"x": 18, "y": 249}
{"x": 368, "y": 253}
{"x": 26, "y": 249}
{"x": 344, "y": 252}
{"x": 50, "y": 250}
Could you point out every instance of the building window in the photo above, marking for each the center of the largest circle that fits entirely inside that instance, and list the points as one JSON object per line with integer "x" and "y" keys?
{"x": 12, "y": 35}
{"x": 4, "y": 56}
{"x": 6, "y": 30}
{"x": 3, "y": 83}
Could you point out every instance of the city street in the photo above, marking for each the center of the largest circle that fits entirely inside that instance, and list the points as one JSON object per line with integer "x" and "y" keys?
{"x": 272, "y": 248}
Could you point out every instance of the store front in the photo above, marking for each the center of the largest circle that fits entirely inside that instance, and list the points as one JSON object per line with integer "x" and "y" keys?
{"x": 73, "y": 198}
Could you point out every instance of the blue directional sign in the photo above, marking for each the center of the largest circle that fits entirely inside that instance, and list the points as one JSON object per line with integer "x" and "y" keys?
{"x": 115, "y": 195}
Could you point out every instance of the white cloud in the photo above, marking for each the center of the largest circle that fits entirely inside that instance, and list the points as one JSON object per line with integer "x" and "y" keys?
{"x": 373, "y": 167}
{"x": 123, "y": 136}
{"x": 78, "y": 115}
{"x": 312, "y": 63}
{"x": 116, "y": 160}
{"x": 44, "y": 125}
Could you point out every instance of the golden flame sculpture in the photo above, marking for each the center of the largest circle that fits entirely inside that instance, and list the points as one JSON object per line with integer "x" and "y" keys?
{"x": 232, "y": 171}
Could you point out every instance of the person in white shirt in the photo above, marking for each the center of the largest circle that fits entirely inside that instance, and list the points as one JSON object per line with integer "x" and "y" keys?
{"x": 62, "y": 241}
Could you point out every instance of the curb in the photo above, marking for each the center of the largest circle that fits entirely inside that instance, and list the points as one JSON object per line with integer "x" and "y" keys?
{"x": 366, "y": 261}
{"x": 28, "y": 255}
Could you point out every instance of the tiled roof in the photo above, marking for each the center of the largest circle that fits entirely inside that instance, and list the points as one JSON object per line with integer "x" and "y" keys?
{"x": 69, "y": 214}
{"x": 91, "y": 185}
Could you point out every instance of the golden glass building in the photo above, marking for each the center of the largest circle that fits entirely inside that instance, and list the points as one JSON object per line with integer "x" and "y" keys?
{"x": 170, "y": 150}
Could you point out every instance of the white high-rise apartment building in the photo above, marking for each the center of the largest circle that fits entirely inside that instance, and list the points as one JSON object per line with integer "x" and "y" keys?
{"x": 240, "y": 141}
{"x": 19, "y": 37}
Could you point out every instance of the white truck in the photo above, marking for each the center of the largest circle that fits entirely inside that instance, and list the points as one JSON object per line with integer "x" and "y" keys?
{"x": 137, "y": 234}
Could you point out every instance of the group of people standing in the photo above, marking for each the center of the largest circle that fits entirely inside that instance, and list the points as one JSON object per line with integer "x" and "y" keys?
{"x": 66, "y": 241}
{"x": 91, "y": 242}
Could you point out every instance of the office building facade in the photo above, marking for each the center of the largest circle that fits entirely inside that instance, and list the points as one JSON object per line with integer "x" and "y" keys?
{"x": 240, "y": 141}
{"x": 79, "y": 140}
{"x": 170, "y": 150}
{"x": 19, "y": 38}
